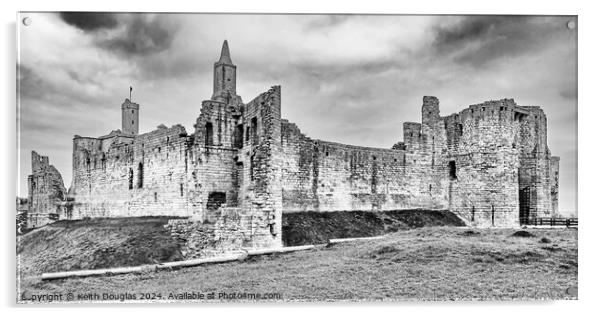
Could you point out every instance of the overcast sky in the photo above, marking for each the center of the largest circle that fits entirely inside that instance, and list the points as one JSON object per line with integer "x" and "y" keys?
{"x": 350, "y": 79}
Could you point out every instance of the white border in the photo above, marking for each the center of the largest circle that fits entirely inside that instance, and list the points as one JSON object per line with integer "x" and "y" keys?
{"x": 589, "y": 141}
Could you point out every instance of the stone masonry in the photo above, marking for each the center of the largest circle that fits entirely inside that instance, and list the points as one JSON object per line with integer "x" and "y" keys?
{"x": 47, "y": 193}
{"x": 243, "y": 166}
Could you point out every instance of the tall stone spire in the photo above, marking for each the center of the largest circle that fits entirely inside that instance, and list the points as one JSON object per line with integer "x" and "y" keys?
{"x": 224, "y": 77}
{"x": 224, "y": 58}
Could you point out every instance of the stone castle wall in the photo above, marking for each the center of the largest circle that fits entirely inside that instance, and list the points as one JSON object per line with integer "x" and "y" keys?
{"x": 554, "y": 181}
{"x": 243, "y": 166}
{"x": 487, "y": 145}
{"x": 144, "y": 176}
{"x": 245, "y": 155}
{"x": 169, "y": 173}
{"x": 481, "y": 144}
{"x": 46, "y": 192}
{"x": 327, "y": 176}
{"x": 234, "y": 231}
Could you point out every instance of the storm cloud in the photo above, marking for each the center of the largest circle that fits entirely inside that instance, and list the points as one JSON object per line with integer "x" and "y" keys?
{"x": 128, "y": 34}
{"x": 479, "y": 40}
{"x": 90, "y": 21}
{"x": 142, "y": 35}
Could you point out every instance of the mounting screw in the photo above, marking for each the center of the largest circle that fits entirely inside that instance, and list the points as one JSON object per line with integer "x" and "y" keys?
{"x": 571, "y": 25}
{"x": 27, "y": 21}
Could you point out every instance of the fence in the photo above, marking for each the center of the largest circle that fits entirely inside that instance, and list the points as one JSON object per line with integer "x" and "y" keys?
{"x": 550, "y": 221}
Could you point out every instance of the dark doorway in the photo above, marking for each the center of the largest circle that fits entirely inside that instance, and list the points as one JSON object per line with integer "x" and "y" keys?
{"x": 524, "y": 207}
{"x": 215, "y": 200}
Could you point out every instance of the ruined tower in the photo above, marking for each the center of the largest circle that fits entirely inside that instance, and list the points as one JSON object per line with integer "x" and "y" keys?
{"x": 129, "y": 117}
{"x": 224, "y": 77}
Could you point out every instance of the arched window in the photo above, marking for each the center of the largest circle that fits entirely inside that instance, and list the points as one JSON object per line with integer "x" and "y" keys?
{"x": 140, "y": 175}
{"x": 208, "y": 134}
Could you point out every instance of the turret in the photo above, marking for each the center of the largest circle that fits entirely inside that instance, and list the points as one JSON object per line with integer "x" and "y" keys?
{"x": 430, "y": 110}
{"x": 129, "y": 117}
{"x": 224, "y": 77}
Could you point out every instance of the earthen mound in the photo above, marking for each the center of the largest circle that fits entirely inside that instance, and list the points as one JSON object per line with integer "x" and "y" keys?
{"x": 310, "y": 228}
{"x": 545, "y": 240}
{"x": 522, "y": 233}
{"x": 469, "y": 233}
{"x": 96, "y": 244}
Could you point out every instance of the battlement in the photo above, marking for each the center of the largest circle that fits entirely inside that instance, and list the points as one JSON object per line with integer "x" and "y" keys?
{"x": 127, "y": 104}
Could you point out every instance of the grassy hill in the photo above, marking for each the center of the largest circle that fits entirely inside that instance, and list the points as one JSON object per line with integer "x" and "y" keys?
{"x": 95, "y": 244}
{"x": 310, "y": 228}
{"x": 118, "y": 242}
{"x": 431, "y": 263}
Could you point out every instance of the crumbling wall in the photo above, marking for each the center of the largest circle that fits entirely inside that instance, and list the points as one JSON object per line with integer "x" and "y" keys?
{"x": 469, "y": 162}
{"x": 230, "y": 233}
{"x": 261, "y": 169}
{"x": 46, "y": 191}
{"x": 213, "y": 161}
{"x": 327, "y": 176}
{"x": 255, "y": 175}
{"x": 216, "y": 124}
{"x": 234, "y": 231}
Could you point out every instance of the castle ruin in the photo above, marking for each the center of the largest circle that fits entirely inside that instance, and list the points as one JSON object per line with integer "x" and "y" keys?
{"x": 243, "y": 166}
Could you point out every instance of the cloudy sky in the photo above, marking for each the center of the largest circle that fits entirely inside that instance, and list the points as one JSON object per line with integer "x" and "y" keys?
{"x": 345, "y": 78}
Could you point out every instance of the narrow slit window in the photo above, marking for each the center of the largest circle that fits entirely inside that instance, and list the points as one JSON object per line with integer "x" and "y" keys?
{"x": 452, "y": 170}
{"x": 208, "y": 134}
{"x": 140, "y": 175}
{"x": 254, "y": 130}
{"x": 131, "y": 179}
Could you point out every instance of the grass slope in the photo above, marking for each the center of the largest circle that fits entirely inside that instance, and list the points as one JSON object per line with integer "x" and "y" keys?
{"x": 95, "y": 244}
{"x": 433, "y": 263}
{"x": 119, "y": 242}
{"x": 310, "y": 228}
